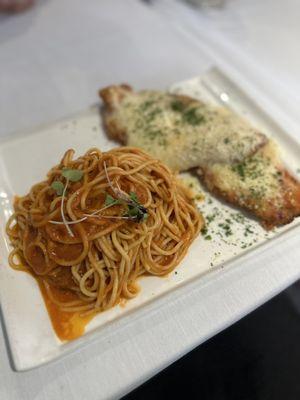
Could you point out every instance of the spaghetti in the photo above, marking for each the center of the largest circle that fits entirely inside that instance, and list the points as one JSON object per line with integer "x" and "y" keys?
{"x": 94, "y": 226}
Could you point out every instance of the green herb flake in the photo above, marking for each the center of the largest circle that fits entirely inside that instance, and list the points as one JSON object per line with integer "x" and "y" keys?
{"x": 239, "y": 169}
{"x": 153, "y": 114}
{"x": 204, "y": 230}
{"x": 238, "y": 217}
{"x": 58, "y": 187}
{"x": 248, "y": 231}
{"x": 177, "y": 106}
{"x": 226, "y": 228}
{"x": 73, "y": 175}
{"x": 210, "y": 218}
{"x": 192, "y": 117}
{"x": 147, "y": 104}
{"x": 207, "y": 237}
{"x": 153, "y": 134}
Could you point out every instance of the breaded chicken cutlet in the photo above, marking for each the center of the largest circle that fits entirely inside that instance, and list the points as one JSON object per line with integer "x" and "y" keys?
{"x": 236, "y": 161}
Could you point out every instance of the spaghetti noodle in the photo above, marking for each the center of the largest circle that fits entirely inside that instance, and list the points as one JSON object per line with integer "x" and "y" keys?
{"x": 95, "y": 225}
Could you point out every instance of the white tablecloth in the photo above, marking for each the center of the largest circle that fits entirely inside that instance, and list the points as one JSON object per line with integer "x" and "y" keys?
{"x": 53, "y": 59}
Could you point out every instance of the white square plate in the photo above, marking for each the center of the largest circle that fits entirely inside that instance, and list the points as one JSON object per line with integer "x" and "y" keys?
{"x": 25, "y": 159}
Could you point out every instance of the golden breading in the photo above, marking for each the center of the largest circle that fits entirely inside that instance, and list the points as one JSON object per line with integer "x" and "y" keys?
{"x": 179, "y": 130}
{"x": 234, "y": 160}
{"x": 260, "y": 184}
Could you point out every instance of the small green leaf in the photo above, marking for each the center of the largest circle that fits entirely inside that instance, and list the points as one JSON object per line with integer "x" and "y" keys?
{"x": 109, "y": 200}
{"x": 58, "y": 187}
{"x": 133, "y": 211}
{"x": 137, "y": 213}
{"x": 133, "y": 197}
{"x": 74, "y": 175}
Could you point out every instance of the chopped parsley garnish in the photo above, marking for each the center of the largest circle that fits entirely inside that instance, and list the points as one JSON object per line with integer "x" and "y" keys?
{"x": 239, "y": 169}
{"x": 147, "y": 104}
{"x": 226, "y": 228}
{"x": 163, "y": 142}
{"x": 248, "y": 231}
{"x": 238, "y": 217}
{"x": 177, "y": 106}
{"x": 153, "y": 134}
{"x": 151, "y": 115}
{"x": 204, "y": 230}
{"x": 192, "y": 117}
{"x": 257, "y": 192}
{"x": 210, "y": 217}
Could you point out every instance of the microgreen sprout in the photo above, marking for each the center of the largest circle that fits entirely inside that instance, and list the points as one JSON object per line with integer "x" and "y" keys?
{"x": 62, "y": 209}
{"x": 135, "y": 211}
{"x": 58, "y": 187}
{"x": 71, "y": 175}
{"x": 110, "y": 201}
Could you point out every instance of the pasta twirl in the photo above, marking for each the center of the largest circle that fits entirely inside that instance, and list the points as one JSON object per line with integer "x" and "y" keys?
{"x": 94, "y": 226}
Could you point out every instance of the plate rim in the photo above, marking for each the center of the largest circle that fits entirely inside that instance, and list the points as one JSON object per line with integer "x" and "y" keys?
{"x": 205, "y": 278}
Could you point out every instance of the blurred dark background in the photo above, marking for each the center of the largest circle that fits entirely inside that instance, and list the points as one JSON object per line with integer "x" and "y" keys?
{"x": 255, "y": 359}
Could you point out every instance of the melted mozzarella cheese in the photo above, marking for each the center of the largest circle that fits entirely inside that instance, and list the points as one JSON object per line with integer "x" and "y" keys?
{"x": 185, "y": 133}
{"x": 257, "y": 178}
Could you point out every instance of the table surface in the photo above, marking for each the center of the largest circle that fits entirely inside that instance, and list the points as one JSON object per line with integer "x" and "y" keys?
{"x": 54, "y": 57}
